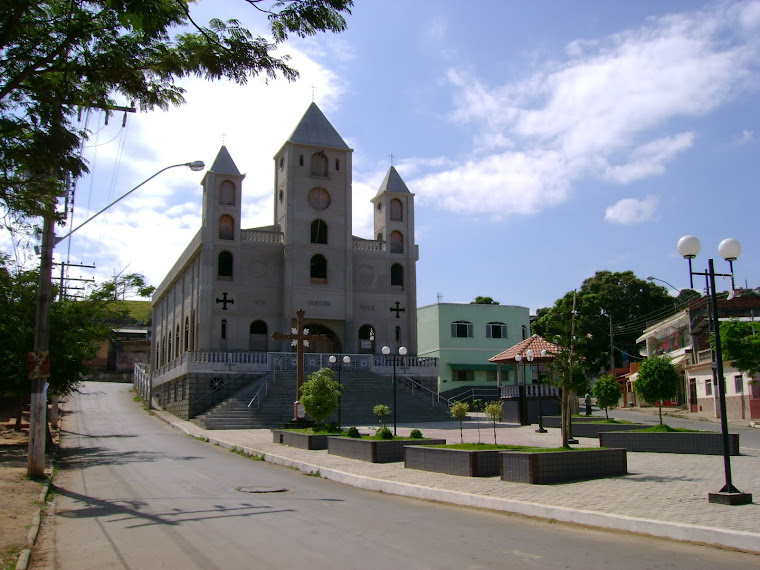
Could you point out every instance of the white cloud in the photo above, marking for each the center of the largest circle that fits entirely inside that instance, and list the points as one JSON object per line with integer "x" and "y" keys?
{"x": 631, "y": 211}
{"x": 605, "y": 112}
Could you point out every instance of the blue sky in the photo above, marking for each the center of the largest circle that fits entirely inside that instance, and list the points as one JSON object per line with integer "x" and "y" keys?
{"x": 544, "y": 141}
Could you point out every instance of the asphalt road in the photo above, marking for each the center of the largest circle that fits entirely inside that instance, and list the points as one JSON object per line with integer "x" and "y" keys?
{"x": 132, "y": 493}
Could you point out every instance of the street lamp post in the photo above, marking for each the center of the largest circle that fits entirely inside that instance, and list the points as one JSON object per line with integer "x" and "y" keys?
{"x": 540, "y": 410}
{"x": 402, "y": 352}
{"x": 333, "y": 360}
{"x": 38, "y": 359}
{"x": 729, "y": 249}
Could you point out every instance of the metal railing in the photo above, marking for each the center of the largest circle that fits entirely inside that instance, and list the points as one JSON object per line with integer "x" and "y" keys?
{"x": 256, "y": 397}
{"x": 416, "y": 386}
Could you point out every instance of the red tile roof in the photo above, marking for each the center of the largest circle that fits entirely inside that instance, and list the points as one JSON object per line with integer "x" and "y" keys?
{"x": 534, "y": 342}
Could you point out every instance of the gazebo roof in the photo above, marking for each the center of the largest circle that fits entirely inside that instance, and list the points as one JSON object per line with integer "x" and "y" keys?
{"x": 534, "y": 342}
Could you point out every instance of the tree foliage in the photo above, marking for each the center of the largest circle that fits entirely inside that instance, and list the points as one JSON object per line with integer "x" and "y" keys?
{"x": 319, "y": 394}
{"x": 622, "y": 297}
{"x": 123, "y": 285}
{"x": 740, "y": 342}
{"x": 607, "y": 393}
{"x": 484, "y": 301}
{"x": 77, "y": 328}
{"x": 60, "y": 56}
{"x": 493, "y": 412}
{"x": 657, "y": 380}
{"x": 458, "y": 411}
{"x": 382, "y": 411}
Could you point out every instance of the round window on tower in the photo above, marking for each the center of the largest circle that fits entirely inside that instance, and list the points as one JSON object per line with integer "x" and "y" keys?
{"x": 319, "y": 198}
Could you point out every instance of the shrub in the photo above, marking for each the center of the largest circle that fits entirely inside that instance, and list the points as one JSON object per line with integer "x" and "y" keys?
{"x": 416, "y": 434}
{"x": 381, "y": 411}
{"x": 384, "y": 433}
{"x": 353, "y": 432}
{"x": 459, "y": 411}
{"x": 319, "y": 394}
{"x": 493, "y": 413}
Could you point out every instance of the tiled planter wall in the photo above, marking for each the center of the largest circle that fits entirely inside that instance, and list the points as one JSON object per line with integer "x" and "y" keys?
{"x": 374, "y": 450}
{"x": 705, "y": 443}
{"x": 463, "y": 462}
{"x": 300, "y": 440}
{"x": 560, "y": 466}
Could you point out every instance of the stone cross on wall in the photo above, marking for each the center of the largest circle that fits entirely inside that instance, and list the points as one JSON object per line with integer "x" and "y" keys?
{"x": 299, "y": 338}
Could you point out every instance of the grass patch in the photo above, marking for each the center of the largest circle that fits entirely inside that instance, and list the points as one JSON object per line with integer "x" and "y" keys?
{"x": 505, "y": 447}
{"x": 664, "y": 428}
{"x": 242, "y": 453}
{"x": 316, "y": 474}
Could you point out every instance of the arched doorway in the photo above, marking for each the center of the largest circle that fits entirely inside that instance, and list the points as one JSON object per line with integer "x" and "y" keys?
{"x": 257, "y": 336}
{"x": 329, "y": 345}
{"x": 366, "y": 339}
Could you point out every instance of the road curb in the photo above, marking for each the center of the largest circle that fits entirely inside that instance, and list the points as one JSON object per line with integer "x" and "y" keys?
{"x": 712, "y": 536}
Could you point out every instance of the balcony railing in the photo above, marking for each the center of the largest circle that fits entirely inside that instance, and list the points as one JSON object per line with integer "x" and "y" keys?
{"x": 261, "y": 236}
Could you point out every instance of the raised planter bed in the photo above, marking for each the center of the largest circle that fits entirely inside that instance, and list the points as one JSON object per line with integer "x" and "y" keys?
{"x": 700, "y": 442}
{"x": 375, "y": 450}
{"x": 593, "y": 429}
{"x": 299, "y": 439}
{"x": 463, "y": 462}
{"x": 556, "y": 421}
{"x": 561, "y": 466}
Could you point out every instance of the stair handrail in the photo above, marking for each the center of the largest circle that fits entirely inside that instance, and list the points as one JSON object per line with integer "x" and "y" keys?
{"x": 265, "y": 387}
{"x": 415, "y": 385}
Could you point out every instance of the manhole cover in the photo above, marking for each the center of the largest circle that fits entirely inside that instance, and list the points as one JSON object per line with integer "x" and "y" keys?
{"x": 261, "y": 489}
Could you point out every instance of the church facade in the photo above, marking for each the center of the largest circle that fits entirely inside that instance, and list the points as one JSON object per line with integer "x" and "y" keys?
{"x": 232, "y": 288}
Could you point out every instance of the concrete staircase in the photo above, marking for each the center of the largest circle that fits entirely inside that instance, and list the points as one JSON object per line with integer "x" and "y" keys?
{"x": 361, "y": 392}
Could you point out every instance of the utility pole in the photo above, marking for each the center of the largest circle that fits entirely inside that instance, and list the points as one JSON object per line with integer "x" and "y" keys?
{"x": 39, "y": 360}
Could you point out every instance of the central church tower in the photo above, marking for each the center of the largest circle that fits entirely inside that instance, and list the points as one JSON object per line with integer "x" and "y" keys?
{"x": 313, "y": 211}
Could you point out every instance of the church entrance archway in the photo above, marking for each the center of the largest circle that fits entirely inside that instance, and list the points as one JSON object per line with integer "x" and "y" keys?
{"x": 257, "y": 336}
{"x": 329, "y": 345}
{"x": 366, "y": 339}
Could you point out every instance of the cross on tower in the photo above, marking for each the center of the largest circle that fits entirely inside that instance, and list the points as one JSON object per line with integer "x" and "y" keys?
{"x": 397, "y": 309}
{"x": 224, "y": 301}
{"x": 391, "y": 156}
{"x": 299, "y": 338}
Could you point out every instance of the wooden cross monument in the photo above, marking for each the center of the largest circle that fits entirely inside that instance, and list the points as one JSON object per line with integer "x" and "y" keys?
{"x": 299, "y": 338}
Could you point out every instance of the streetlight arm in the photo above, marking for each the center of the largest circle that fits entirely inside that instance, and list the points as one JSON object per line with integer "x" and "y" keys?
{"x": 195, "y": 166}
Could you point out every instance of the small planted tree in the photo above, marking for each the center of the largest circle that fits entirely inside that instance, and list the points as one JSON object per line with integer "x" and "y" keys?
{"x": 658, "y": 380}
{"x": 382, "y": 411}
{"x": 493, "y": 413}
{"x": 319, "y": 394}
{"x": 607, "y": 393}
{"x": 458, "y": 411}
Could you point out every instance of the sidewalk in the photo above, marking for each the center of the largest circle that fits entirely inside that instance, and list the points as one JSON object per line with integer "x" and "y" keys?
{"x": 664, "y": 495}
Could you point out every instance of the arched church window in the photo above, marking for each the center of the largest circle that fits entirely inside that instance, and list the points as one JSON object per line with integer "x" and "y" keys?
{"x": 158, "y": 354}
{"x": 337, "y": 164}
{"x": 224, "y": 329}
{"x": 282, "y": 162}
{"x": 397, "y": 210}
{"x": 318, "y": 231}
{"x": 169, "y": 348}
{"x": 397, "y": 275}
{"x": 227, "y": 193}
{"x": 176, "y": 343}
{"x": 300, "y": 160}
{"x": 187, "y": 334}
{"x": 226, "y": 227}
{"x": 397, "y": 242}
{"x": 319, "y": 164}
{"x": 224, "y": 268}
{"x": 318, "y": 269}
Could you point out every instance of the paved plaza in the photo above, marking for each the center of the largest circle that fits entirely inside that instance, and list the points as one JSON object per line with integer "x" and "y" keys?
{"x": 663, "y": 495}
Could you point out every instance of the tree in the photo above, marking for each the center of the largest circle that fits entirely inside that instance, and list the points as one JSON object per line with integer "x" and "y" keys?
{"x": 607, "y": 393}
{"x": 382, "y": 411}
{"x": 484, "y": 301}
{"x": 658, "y": 380}
{"x": 458, "y": 411}
{"x": 740, "y": 342}
{"x": 61, "y": 56}
{"x": 620, "y": 297}
{"x": 131, "y": 284}
{"x": 319, "y": 394}
{"x": 493, "y": 413}
{"x": 77, "y": 330}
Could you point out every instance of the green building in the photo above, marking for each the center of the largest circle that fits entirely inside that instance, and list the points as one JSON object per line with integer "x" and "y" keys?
{"x": 463, "y": 337}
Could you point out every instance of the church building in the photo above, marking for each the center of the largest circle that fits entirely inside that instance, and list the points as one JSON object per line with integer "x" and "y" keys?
{"x": 215, "y": 312}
